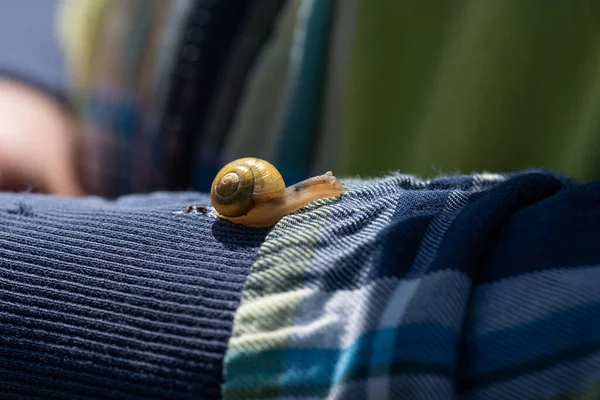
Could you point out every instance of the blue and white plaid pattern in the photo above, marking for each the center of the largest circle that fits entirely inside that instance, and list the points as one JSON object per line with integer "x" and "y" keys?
{"x": 474, "y": 285}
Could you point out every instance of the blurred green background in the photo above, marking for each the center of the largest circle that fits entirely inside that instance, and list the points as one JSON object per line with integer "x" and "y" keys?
{"x": 469, "y": 86}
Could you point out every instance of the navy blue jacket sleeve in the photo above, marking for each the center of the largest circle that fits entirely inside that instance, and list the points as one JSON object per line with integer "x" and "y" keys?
{"x": 116, "y": 299}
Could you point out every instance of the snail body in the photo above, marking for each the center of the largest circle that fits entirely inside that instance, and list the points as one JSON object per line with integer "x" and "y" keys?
{"x": 251, "y": 192}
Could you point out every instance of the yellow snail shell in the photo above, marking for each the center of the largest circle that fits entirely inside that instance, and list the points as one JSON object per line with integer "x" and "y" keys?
{"x": 251, "y": 192}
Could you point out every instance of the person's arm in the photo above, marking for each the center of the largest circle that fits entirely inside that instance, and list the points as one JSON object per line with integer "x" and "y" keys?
{"x": 479, "y": 285}
{"x": 37, "y": 138}
{"x": 37, "y": 141}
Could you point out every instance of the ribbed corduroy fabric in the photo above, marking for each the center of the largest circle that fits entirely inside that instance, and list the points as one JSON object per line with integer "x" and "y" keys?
{"x": 117, "y": 299}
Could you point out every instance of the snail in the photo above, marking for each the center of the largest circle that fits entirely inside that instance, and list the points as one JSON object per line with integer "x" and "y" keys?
{"x": 251, "y": 192}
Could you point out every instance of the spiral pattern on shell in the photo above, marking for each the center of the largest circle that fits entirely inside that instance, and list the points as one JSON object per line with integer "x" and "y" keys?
{"x": 237, "y": 184}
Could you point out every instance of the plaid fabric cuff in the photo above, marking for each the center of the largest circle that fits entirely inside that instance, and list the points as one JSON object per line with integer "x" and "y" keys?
{"x": 422, "y": 290}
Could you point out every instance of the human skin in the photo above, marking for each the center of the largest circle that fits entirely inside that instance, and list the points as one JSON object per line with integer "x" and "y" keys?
{"x": 37, "y": 142}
